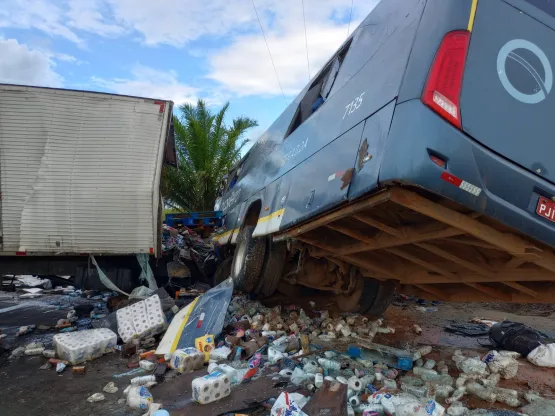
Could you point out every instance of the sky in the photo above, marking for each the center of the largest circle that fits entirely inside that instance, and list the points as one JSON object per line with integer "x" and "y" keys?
{"x": 179, "y": 50}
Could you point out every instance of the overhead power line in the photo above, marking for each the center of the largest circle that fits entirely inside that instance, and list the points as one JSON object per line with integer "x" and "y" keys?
{"x": 350, "y": 17}
{"x": 306, "y": 42}
{"x": 269, "y": 52}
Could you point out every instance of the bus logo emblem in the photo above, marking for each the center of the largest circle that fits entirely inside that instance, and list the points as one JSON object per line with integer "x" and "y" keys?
{"x": 538, "y": 82}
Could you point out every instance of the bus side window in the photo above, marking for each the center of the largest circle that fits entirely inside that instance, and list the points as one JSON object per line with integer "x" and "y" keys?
{"x": 319, "y": 90}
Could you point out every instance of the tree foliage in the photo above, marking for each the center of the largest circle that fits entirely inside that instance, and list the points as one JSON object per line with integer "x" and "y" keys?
{"x": 207, "y": 148}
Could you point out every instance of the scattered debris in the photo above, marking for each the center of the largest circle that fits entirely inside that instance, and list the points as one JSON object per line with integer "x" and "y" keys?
{"x": 138, "y": 397}
{"x": 110, "y": 388}
{"x": 96, "y": 397}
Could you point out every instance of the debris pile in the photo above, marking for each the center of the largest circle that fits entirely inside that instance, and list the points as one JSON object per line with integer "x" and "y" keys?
{"x": 332, "y": 362}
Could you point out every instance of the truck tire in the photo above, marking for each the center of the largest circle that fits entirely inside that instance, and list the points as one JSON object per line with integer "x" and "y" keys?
{"x": 274, "y": 262}
{"x": 370, "y": 297}
{"x": 248, "y": 260}
{"x": 222, "y": 272}
{"x": 376, "y": 296}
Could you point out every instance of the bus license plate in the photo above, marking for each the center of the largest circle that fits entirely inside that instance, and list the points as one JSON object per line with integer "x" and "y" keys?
{"x": 546, "y": 209}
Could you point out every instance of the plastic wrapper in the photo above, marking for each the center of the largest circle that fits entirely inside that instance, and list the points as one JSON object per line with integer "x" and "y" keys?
{"x": 543, "y": 356}
{"x": 77, "y": 347}
{"x": 141, "y": 320}
{"x": 289, "y": 404}
{"x": 212, "y": 387}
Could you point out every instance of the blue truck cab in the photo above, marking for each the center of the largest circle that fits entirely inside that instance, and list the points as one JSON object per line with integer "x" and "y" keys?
{"x": 417, "y": 159}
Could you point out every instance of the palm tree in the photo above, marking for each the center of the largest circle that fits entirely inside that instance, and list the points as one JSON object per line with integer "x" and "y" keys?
{"x": 206, "y": 150}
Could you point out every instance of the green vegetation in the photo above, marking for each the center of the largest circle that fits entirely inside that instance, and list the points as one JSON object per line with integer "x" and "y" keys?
{"x": 206, "y": 148}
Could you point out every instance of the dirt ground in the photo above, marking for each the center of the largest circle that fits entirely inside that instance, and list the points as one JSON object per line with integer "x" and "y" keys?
{"x": 28, "y": 390}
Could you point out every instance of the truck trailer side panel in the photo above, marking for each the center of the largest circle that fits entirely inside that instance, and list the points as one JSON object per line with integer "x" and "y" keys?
{"x": 79, "y": 171}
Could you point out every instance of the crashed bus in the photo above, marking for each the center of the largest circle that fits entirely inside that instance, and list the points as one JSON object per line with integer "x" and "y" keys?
{"x": 417, "y": 159}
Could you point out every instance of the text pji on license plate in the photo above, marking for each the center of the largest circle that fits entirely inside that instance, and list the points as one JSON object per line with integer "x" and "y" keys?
{"x": 546, "y": 208}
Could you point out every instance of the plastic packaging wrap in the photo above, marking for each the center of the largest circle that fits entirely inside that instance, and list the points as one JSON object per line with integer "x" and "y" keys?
{"x": 186, "y": 360}
{"x": 141, "y": 320}
{"x": 77, "y": 347}
{"x": 212, "y": 387}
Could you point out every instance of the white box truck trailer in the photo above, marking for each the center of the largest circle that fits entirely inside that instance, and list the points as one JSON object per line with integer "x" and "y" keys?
{"x": 80, "y": 174}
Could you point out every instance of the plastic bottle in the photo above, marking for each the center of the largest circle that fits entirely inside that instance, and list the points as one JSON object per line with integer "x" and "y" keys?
{"x": 341, "y": 380}
{"x": 457, "y": 395}
{"x": 286, "y": 373}
{"x": 457, "y": 409}
{"x": 354, "y": 401}
{"x": 311, "y": 367}
{"x": 255, "y": 360}
{"x": 34, "y": 351}
{"x": 329, "y": 378}
{"x": 350, "y": 410}
{"x": 318, "y": 380}
{"x": 274, "y": 355}
{"x": 329, "y": 364}
{"x": 141, "y": 381}
{"x": 298, "y": 376}
{"x": 210, "y": 388}
{"x": 390, "y": 384}
{"x": 429, "y": 364}
{"x": 481, "y": 392}
{"x": 371, "y": 409}
{"x": 355, "y": 384}
{"x": 419, "y": 371}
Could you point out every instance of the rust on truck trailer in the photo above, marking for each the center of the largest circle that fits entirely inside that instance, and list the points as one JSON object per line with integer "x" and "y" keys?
{"x": 434, "y": 247}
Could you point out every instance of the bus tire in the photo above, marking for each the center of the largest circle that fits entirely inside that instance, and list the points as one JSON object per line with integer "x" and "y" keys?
{"x": 272, "y": 270}
{"x": 370, "y": 297}
{"x": 377, "y": 296}
{"x": 248, "y": 260}
{"x": 222, "y": 272}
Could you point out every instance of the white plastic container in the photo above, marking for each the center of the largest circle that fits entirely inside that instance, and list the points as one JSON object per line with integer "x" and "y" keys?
{"x": 77, "y": 347}
{"x": 210, "y": 388}
{"x": 318, "y": 380}
{"x": 187, "y": 360}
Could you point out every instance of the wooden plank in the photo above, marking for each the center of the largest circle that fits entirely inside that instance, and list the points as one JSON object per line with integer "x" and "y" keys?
{"x": 467, "y": 294}
{"x": 511, "y": 243}
{"x": 397, "y": 232}
{"x": 469, "y": 241}
{"x": 412, "y": 235}
{"x": 523, "y": 289}
{"x": 420, "y": 262}
{"x": 540, "y": 275}
{"x": 514, "y": 263}
{"x": 490, "y": 291}
{"x": 350, "y": 232}
{"x": 508, "y": 242}
{"x": 446, "y": 255}
{"x": 343, "y": 212}
{"x": 390, "y": 271}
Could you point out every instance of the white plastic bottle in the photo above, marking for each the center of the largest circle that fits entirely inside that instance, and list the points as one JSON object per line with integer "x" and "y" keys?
{"x": 318, "y": 380}
{"x": 329, "y": 364}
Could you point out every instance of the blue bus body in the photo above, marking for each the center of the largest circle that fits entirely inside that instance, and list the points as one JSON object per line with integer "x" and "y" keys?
{"x": 373, "y": 129}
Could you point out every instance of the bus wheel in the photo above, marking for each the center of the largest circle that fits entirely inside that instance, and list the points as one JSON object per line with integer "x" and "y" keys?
{"x": 274, "y": 262}
{"x": 247, "y": 260}
{"x": 222, "y": 272}
{"x": 370, "y": 297}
